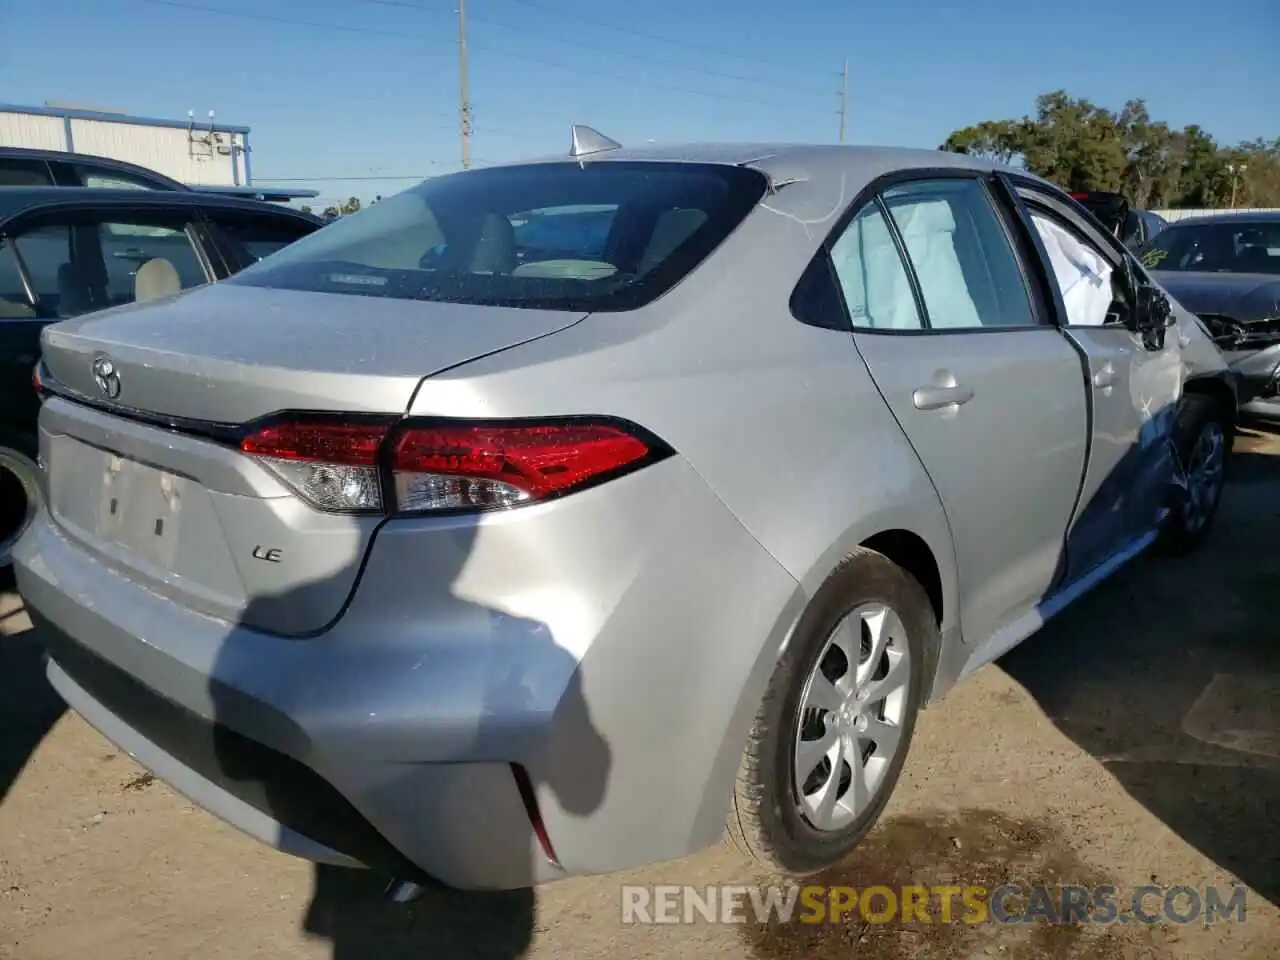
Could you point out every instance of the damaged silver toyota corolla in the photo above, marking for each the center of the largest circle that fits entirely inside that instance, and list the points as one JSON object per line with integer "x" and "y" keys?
{"x": 539, "y": 519}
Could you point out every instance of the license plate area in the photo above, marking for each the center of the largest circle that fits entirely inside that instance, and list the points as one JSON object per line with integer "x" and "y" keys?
{"x": 138, "y": 514}
{"x": 140, "y": 508}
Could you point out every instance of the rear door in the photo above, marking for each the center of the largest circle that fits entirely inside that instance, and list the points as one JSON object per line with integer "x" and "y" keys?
{"x": 1135, "y": 385}
{"x": 960, "y": 343}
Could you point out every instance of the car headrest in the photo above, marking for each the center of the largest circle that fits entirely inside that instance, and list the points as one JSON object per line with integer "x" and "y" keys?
{"x": 155, "y": 279}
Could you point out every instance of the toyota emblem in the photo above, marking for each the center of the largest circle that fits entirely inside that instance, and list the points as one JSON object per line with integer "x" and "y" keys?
{"x": 106, "y": 377}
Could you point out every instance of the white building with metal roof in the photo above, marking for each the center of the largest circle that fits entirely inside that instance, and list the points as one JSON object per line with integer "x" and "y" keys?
{"x": 201, "y": 153}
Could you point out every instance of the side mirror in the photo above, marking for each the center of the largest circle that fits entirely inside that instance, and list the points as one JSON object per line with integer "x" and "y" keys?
{"x": 1153, "y": 316}
{"x": 1154, "y": 311}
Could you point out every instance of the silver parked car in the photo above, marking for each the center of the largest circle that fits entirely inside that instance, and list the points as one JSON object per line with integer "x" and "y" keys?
{"x": 540, "y": 519}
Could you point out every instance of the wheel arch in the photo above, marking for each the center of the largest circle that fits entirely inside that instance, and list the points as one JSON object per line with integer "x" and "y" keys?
{"x": 910, "y": 551}
{"x": 1219, "y": 389}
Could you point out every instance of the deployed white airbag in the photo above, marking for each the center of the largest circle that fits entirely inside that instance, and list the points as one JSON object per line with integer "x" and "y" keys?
{"x": 1084, "y": 277}
{"x": 871, "y": 274}
{"x": 876, "y": 286}
{"x": 929, "y": 232}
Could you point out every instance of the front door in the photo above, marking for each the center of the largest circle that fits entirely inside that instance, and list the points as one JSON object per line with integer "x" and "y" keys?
{"x": 1135, "y": 388}
{"x": 989, "y": 394}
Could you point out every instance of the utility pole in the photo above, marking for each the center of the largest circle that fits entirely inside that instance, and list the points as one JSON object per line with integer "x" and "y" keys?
{"x": 844, "y": 96}
{"x": 1235, "y": 170}
{"x": 464, "y": 91}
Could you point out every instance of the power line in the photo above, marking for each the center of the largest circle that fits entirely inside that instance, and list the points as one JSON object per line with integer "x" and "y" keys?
{"x": 587, "y": 45}
{"x": 611, "y": 75}
{"x": 267, "y": 18}
{"x": 527, "y": 58}
{"x": 657, "y": 38}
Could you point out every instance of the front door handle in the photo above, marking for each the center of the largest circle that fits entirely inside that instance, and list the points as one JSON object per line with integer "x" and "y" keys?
{"x": 1105, "y": 377}
{"x": 938, "y": 397}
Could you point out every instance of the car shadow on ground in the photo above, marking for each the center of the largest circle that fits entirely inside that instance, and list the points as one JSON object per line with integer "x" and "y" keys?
{"x": 29, "y": 707}
{"x": 349, "y": 910}
{"x": 1169, "y": 674}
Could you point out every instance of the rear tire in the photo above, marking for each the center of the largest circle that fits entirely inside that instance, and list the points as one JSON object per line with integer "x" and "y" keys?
{"x": 779, "y": 811}
{"x": 1203, "y": 434}
{"x": 19, "y": 490}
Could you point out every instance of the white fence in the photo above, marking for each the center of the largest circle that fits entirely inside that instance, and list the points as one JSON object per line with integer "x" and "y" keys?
{"x": 1172, "y": 215}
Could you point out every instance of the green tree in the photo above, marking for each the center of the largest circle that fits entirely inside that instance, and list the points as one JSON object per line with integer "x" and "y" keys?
{"x": 996, "y": 140}
{"x": 1083, "y": 146}
{"x": 306, "y": 208}
{"x": 352, "y": 205}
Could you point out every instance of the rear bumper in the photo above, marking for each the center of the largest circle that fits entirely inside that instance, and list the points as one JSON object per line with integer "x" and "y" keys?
{"x": 613, "y": 646}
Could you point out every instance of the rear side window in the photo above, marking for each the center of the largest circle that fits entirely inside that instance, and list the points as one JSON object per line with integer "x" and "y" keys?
{"x": 114, "y": 181}
{"x": 612, "y": 235}
{"x": 25, "y": 173}
{"x": 876, "y": 286}
{"x": 126, "y": 250}
{"x": 248, "y": 238}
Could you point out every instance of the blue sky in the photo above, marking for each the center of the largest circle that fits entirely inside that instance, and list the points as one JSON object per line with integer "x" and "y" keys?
{"x": 369, "y": 88}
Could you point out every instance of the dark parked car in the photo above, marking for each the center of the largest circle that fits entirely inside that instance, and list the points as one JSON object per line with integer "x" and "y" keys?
{"x": 1133, "y": 227}
{"x": 66, "y": 251}
{"x": 25, "y": 167}
{"x": 1226, "y": 269}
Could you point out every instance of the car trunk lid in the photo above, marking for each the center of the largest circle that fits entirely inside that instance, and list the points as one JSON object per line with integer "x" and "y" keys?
{"x": 146, "y": 475}
{"x": 230, "y": 354}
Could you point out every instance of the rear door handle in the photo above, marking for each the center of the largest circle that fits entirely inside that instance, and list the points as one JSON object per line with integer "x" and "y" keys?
{"x": 937, "y": 397}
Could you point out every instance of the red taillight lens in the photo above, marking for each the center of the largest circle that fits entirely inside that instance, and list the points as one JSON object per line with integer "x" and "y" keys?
{"x": 326, "y": 442}
{"x": 334, "y": 466}
{"x": 445, "y": 466}
{"x": 459, "y": 466}
{"x": 37, "y": 382}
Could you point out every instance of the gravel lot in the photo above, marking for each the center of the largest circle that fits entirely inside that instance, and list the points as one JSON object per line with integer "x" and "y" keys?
{"x": 1135, "y": 740}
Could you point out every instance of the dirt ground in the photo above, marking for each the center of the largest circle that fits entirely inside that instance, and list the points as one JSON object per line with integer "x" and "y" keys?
{"x": 1135, "y": 740}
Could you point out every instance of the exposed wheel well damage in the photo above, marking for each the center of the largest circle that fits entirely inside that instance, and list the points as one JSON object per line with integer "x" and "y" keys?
{"x": 1219, "y": 391}
{"x": 910, "y": 552}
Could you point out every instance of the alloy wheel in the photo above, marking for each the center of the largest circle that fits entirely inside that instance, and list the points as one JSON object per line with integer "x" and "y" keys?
{"x": 1205, "y": 476}
{"x": 852, "y": 711}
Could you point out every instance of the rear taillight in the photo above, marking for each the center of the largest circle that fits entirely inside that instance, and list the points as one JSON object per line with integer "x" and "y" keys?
{"x": 333, "y": 466}
{"x": 37, "y": 380}
{"x": 461, "y": 466}
{"x": 419, "y": 467}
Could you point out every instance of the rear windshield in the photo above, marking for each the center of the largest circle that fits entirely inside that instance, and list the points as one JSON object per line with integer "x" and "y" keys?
{"x": 612, "y": 235}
